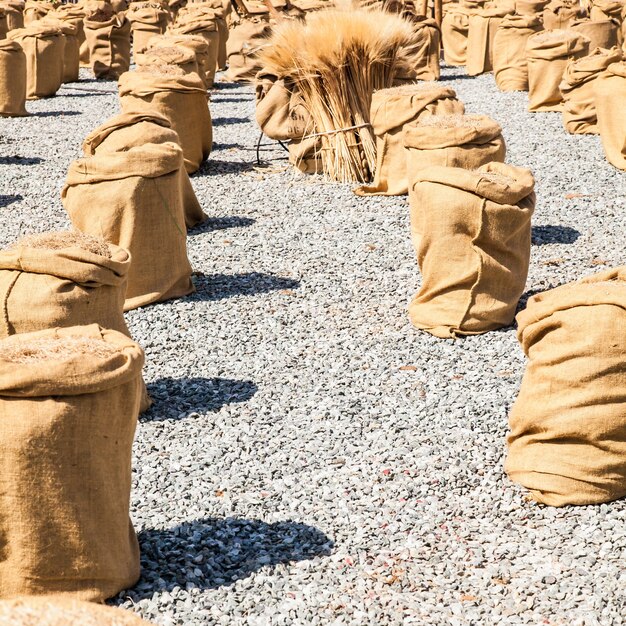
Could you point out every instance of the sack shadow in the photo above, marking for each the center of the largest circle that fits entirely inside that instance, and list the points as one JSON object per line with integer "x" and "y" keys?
{"x": 55, "y": 113}
{"x": 179, "y": 398}
{"x": 221, "y": 286}
{"x": 221, "y": 223}
{"x": 243, "y": 98}
{"x": 223, "y": 121}
{"x": 8, "y": 200}
{"x": 543, "y": 235}
{"x": 214, "y": 167}
{"x": 211, "y": 553}
{"x": 20, "y": 160}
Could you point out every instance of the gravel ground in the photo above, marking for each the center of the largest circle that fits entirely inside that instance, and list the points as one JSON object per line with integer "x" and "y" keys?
{"x": 310, "y": 457}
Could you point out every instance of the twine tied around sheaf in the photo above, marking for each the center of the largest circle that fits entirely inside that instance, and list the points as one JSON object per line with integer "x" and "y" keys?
{"x": 337, "y": 130}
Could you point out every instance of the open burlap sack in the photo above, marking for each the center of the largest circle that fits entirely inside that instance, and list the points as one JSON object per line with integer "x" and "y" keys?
{"x": 71, "y": 47}
{"x": 34, "y": 10}
{"x": 134, "y": 200}
{"x": 531, "y": 7}
{"x": 146, "y": 20}
{"x": 108, "y": 40}
{"x": 548, "y": 54}
{"x": 60, "y": 611}
{"x": 510, "y": 67}
{"x": 577, "y": 88}
{"x": 196, "y": 43}
{"x": 12, "y": 79}
{"x": 171, "y": 55}
{"x": 391, "y": 111}
{"x": 559, "y": 14}
{"x": 423, "y": 51}
{"x": 205, "y": 27}
{"x": 454, "y": 31}
{"x": 567, "y": 443}
{"x": 601, "y": 34}
{"x": 471, "y": 231}
{"x": 246, "y": 40}
{"x": 483, "y": 25}
{"x": 14, "y": 10}
{"x": 129, "y": 130}
{"x": 610, "y": 96}
{"x": 182, "y": 100}
{"x": 69, "y": 399}
{"x": 463, "y": 141}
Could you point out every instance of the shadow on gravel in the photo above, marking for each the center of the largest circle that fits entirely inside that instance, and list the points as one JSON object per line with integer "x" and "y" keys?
{"x": 211, "y": 553}
{"x": 523, "y": 301}
{"x": 223, "y": 121}
{"x": 221, "y": 286}
{"x": 542, "y": 235}
{"x": 213, "y": 167}
{"x": 55, "y": 113}
{"x": 178, "y": 398}
{"x": 456, "y": 77}
{"x": 20, "y": 160}
{"x": 221, "y": 223}
{"x": 8, "y": 200}
{"x": 226, "y": 146}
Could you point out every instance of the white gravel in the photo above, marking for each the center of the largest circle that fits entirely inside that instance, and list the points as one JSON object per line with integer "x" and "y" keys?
{"x": 311, "y": 458}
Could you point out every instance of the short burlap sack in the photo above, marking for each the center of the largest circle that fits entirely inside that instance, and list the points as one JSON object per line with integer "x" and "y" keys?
{"x": 577, "y": 88}
{"x": 483, "y": 25}
{"x": 423, "y": 51}
{"x": 12, "y": 79}
{"x": 391, "y": 111}
{"x": 59, "y": 611}
{"x": 548, "y": 54}
{"x": 181, "y": 99}
{"x": 567, "y": 443}
{"x": 471, "y": 232}
{"x": 559, "y": 14}
{"x": 71, "y": 47}
{"x": 108, "y": 40}
{"x": 464, "y": 141}
{"x": 146, "y": 20}
{"x": 246, "y": 40}
{"x": 601, "y": 34}
{"x": 454, "y": 31}
{"x": 196, "y": 43}
{"x": 134, "y": 200}
{"x": 531, "y": 7}
{"x": 69, "y": 399}
{"x": 610, "y": 96}
{"x": 43, "y": 46}
{"x": 129, "y": 130}
{"x": 14, "y": 10}
{"x": 510, "y": 67}
{"x": 34, "y": 10}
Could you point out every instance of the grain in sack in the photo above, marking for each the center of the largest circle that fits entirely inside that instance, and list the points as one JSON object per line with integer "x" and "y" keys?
{"x": 146, "y": 20}
{"x": 610, "y": 96}
{"x": 392, "y": 110}
{"x": 108, "y": 40}
{"x": 548, "y": 54}
{"x": 601, "y": 34}
{"x": 196, "y": 43}
{"x": 69, "y": 400}
{"x": 510, "y": 67}
{"x": 567, "y": 440}
{"x": 483, "y": 25}
{"x": 577, "y": 88}
{"x": 134, "y": 199}
{"x": 179, "y": 97}
{"x": 171, "y": 55}
{"x": 12, "y": 79}
{"x": 129, "y": 130}
{"x": 471, "y": 231}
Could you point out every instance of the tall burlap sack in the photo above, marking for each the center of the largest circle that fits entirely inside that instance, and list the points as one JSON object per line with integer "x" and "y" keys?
{"x": 129, "y": 130}
{"x": 4, "y": 24}
{"x": 172, "y": 55}
{"x": 510, "y": 67}
{"x": 531, "y": 7}
{"x": 221, "y": 9}
{"x": 60, "y": 611}
{"x": 71, "y": 47}
{"x": 74, "y": 14}
{"x": 134, "y": 200}
{"x": 43, "y": 46}
{"x": 205, "y": 27}
{"x": 463, "y": 141}
{"x": 423, "y": 51}
{"x": 483, "y": 26}
{"x": 391, "y": 111}
{"x": 610, "y": 96}
{"x": 12, "y": 79}
{"x": 559, "y": 14}
{"x": 548, "y": 54}
{"x": 454, "y": 31}
{"x": 577, "y": 88}
{"x": 471, "y": 231}
{"x": 196, "y": 43}
{"x": 14, "y": 10}
{"x": 567, "y": 443}
{"x": 246, "y": 40}
{"x": 601, "y": 34}
{"x": 182, "y": 100}
{"x": 146, "y": 20}
{"x": 606, "y": 9}
{"x": 69, "y": 399}
{"x": 108, "y": 40}
{"x": 34, "y": 10}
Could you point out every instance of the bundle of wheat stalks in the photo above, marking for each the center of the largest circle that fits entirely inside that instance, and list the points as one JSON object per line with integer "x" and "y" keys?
{"x": 336, "y": 60}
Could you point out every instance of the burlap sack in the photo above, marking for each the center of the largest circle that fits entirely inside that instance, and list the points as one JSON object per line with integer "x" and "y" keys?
{"x": 108, "y": 40}
{"x": 4, "y": 24}
{"x": 146, "y": 20}
{"x": 454, "y": 31}
{"x": 74, "y": 14}
{"x": 577, "y": 88}
{"x": 601, "y": 34}
{"x": 471, "y": 231}
{"x": 559, "y": 14}
{"x": 391, "y": 111}
{"x": 134, "y": 200}
{"x": 59, "y": 611}
{"x": 464, "y": 141}
{"x": 246, "y": 40}
{"x": 196, "y": 43}
{"x": 34, "y": 10}
{"x": 567, "y": 443}
{"x": 71, "y": 47}
{"x": 510, "y": 67}
{"x": 14, "y": 10}
{"x": 12, "y": 79}
{"x": 548, "y": 54}
{"x": 423, "y": 51}
{"x": 531, "y": 7}
{"x": 483, "y": 25}
{"x": 184, "y": 58}
{"x": 43, "y": 46}
{"x": 610, "y": 96}
{"x": 182, "y": 100}
{"x": 69, "y": 399}
{"x": 205, "y": 27}
{"x": 129, "y": 130}
{"x": 606, "y": 9}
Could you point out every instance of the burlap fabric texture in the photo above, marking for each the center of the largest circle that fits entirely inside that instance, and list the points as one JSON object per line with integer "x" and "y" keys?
{"x": 108, "y": 42}
{"x": 71, "y": 47}
{"x": 12, "y": 79}
{"x": 454, "y": 31}
{"x": 601, "y": 34}
{"x": 610, "y": 96}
